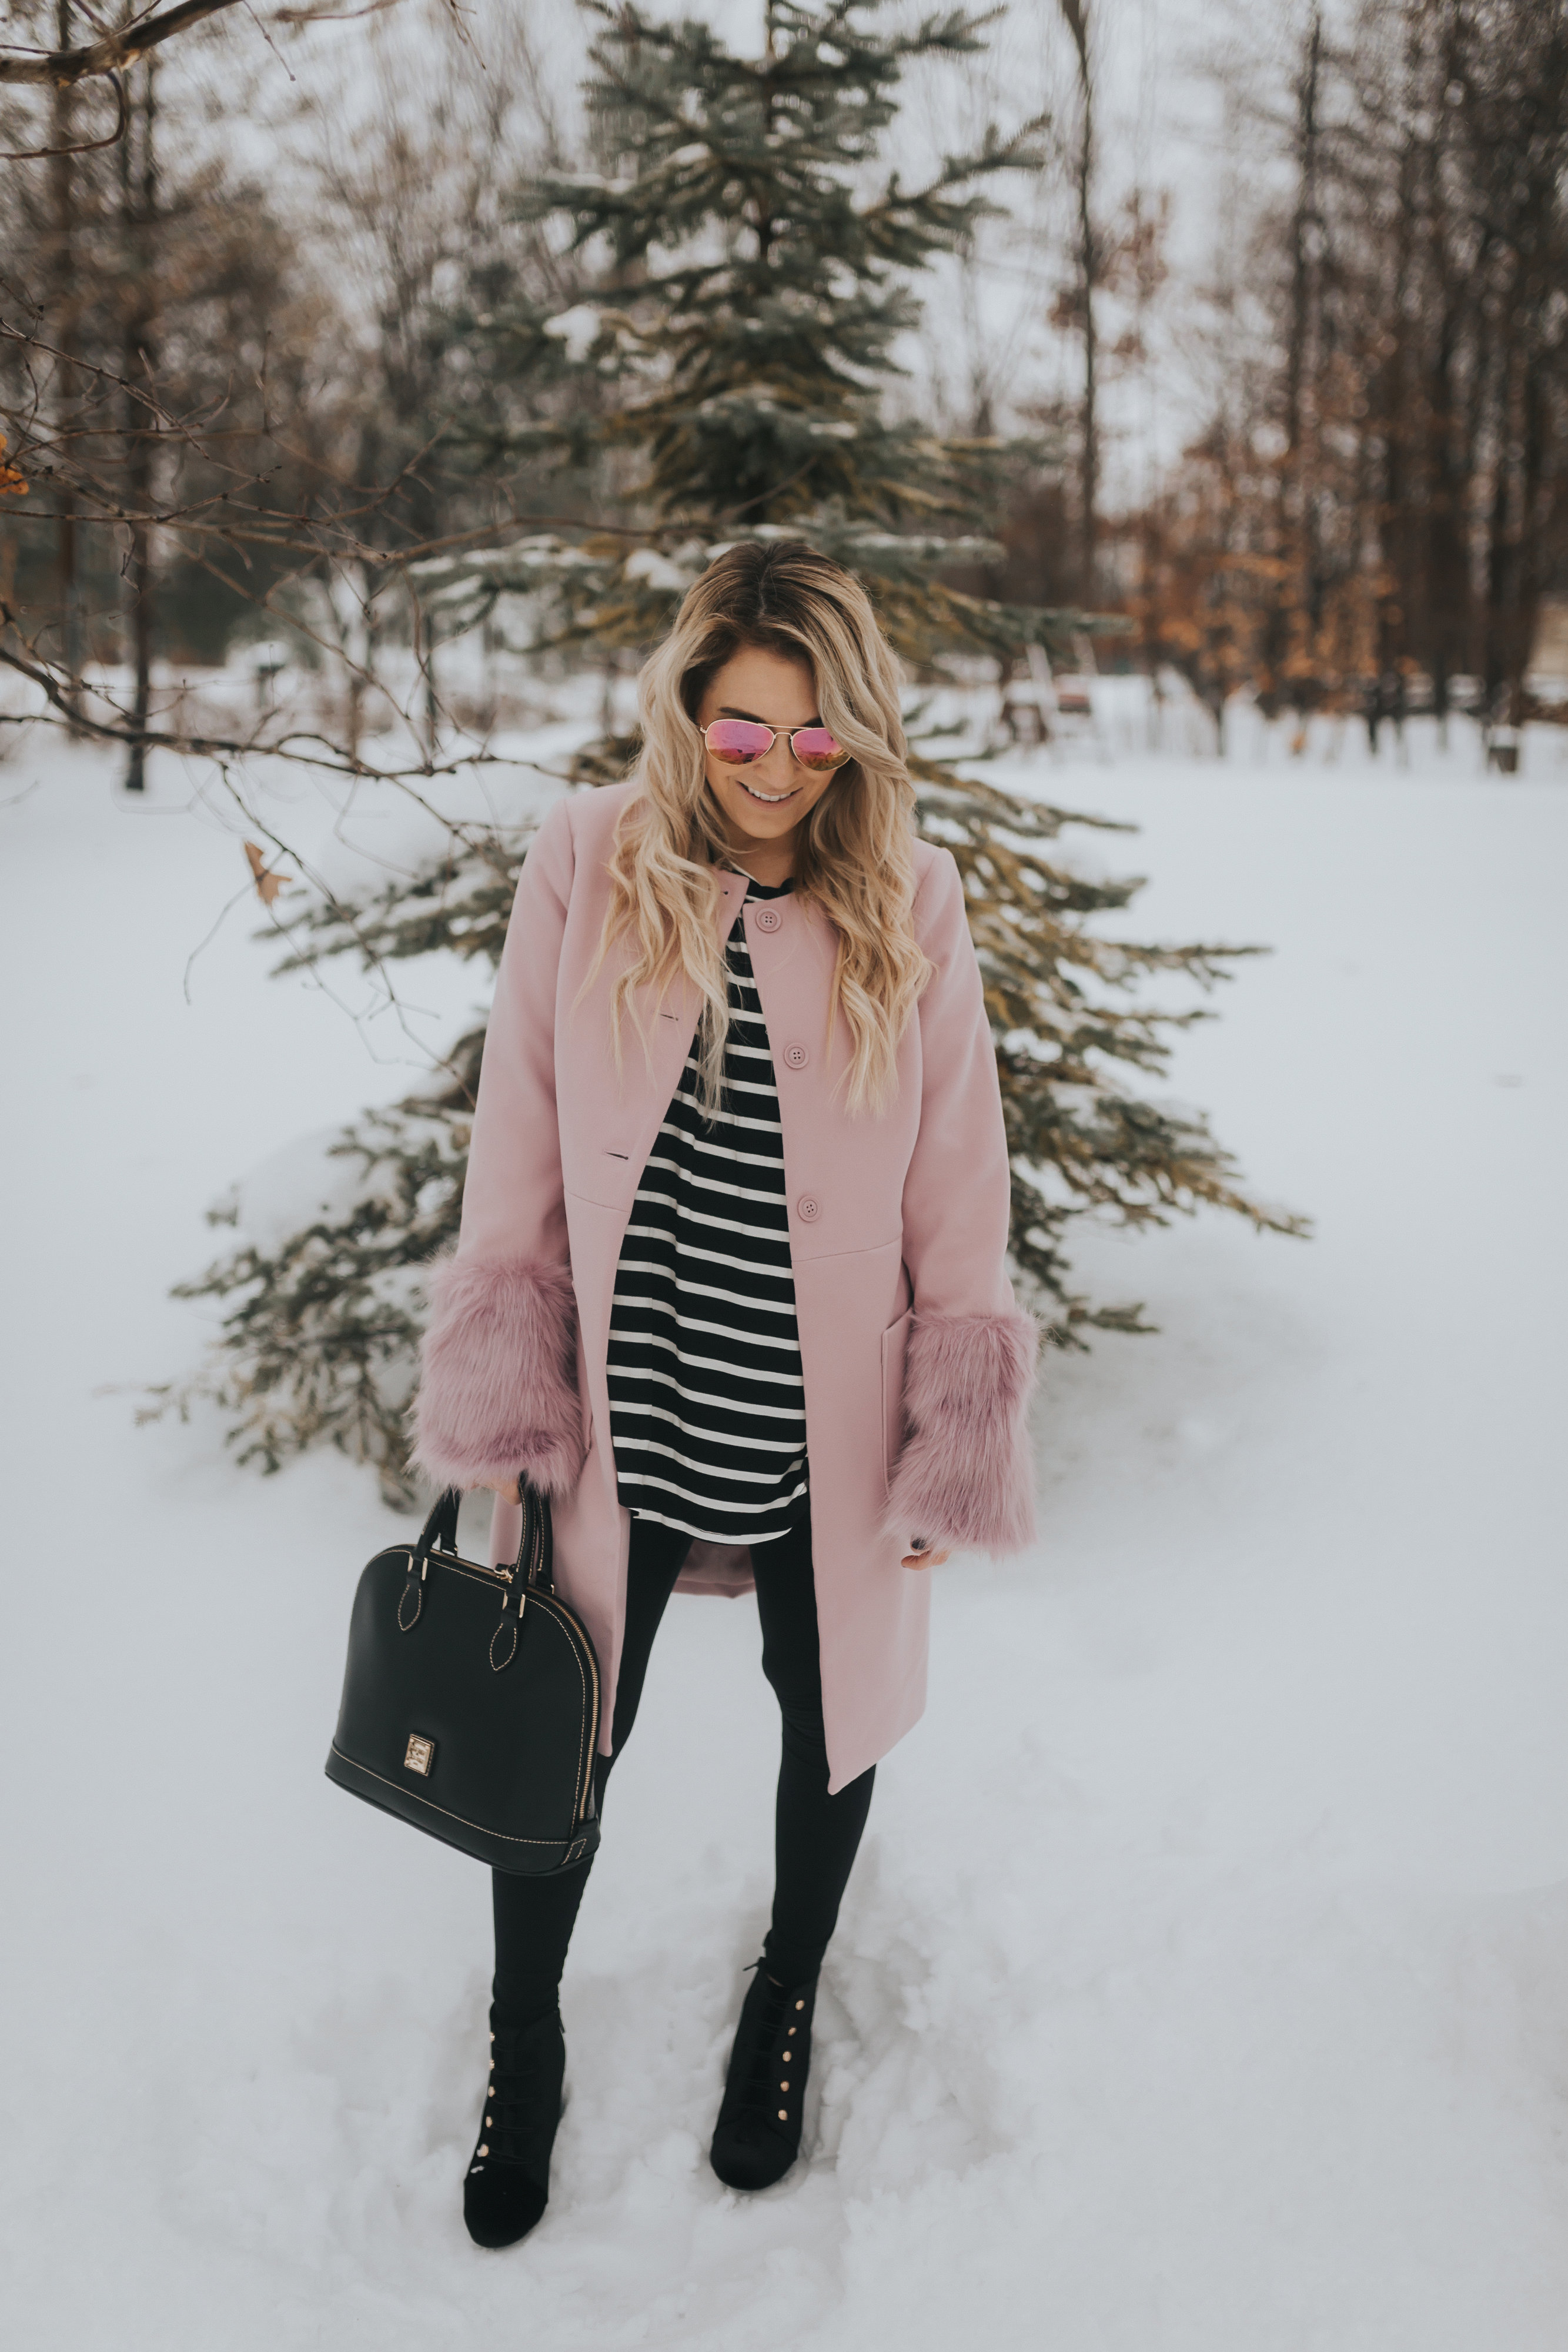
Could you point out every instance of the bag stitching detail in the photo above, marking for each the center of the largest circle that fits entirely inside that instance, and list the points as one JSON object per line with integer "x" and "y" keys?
{"x": 446, "y": 1813}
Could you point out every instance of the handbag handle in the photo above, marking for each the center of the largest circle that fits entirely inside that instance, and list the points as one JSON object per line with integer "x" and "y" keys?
{"x": 535, "y": 1563}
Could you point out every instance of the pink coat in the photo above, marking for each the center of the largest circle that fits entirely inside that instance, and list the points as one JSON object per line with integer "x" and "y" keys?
{"x": 917, "y": 1364}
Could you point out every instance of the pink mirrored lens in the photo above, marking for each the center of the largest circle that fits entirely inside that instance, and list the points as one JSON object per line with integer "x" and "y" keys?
{"x": 740, "y": 741}
{"x": 815, "y": 748}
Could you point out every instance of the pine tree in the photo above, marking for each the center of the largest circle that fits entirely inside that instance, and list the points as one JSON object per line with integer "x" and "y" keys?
{"x": 745, "y": 326}
{"x": 734, "y": 368}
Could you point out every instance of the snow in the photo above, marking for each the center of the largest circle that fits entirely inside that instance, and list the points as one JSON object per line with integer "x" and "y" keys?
{"x": 307, "y": 1182}
{"x": 578, "y": 329}
{"x": 1203, "y": 1986}
{"x": 656, "y": 571}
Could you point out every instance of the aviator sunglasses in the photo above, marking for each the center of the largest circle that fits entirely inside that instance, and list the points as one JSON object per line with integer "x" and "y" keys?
{"x": 740, "y": 741}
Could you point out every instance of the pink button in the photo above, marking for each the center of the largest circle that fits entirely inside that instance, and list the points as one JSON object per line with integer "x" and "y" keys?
{"x": 807, "y": 1207}
{"x": 768, "y": 919}
{"x": 796, "y": 1057}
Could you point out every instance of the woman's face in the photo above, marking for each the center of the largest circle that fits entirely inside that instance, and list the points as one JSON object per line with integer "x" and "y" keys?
{"x": 764, "y": 802}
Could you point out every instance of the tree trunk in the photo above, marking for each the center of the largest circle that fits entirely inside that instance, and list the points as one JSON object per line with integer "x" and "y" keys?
{"x": 1075, "y": 13}
{"x": 1302, "y": 407}
{"x": 63, "y": 177}
{"x": 138, "y": 205}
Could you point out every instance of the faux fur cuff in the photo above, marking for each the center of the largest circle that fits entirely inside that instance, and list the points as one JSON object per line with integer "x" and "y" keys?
{"x": 498, "y": 1388}
{"x": 964, "y": 1476}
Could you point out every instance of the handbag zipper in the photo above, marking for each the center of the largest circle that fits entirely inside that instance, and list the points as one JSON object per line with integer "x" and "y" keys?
{"x": 475, "y": 1566}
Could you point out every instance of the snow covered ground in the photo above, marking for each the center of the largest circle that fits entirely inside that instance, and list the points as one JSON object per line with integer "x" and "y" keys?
{"x": 1203, "y": 1983}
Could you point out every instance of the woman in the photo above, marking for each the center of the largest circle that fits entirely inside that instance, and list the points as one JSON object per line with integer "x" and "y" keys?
{"x": 731, "y": 1284}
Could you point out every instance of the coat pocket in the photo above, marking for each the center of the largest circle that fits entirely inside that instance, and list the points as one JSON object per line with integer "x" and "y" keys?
{"x": 894, "y": 1342}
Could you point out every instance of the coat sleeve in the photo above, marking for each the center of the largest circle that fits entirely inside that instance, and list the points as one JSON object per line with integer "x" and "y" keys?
{"x": 499, "y": 1367}
{"x": 964, "y": 1476}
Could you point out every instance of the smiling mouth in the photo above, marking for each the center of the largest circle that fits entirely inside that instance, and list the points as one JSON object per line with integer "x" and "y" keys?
{"x": 769, "y": 800}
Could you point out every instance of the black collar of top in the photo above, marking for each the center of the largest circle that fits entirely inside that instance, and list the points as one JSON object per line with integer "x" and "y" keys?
{"x": 754, "y": 889}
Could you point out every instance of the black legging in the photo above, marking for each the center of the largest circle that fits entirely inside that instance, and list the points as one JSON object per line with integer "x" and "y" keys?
{"x": 815, "y": 1835}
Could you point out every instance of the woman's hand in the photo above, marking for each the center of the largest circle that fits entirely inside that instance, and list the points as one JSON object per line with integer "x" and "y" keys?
{"x": 506, "y": 1488}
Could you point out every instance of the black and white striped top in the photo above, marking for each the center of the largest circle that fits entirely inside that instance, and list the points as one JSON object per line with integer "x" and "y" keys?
{"x": 707, "y": 1413}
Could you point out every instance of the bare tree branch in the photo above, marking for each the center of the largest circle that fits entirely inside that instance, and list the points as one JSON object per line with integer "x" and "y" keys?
{"x": 62, "y": 68}
{"x": 76, "y": 146}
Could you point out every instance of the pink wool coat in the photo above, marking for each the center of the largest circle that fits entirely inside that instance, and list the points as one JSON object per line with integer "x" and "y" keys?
{"x": 916, "y": 1362}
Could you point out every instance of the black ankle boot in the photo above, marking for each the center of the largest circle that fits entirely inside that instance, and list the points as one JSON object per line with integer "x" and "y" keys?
{"x": 506, "y": 2186}
{"x": 757, "y": 2136}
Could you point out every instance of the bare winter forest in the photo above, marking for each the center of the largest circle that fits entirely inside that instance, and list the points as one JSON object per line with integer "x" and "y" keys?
{"x": 1262, "y": 336}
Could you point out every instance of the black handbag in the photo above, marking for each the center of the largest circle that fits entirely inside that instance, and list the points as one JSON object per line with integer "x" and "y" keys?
{"x": 471, "y": 1699}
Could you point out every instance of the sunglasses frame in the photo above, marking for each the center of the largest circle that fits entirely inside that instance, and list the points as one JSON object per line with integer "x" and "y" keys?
{"x": 789, "y": 733}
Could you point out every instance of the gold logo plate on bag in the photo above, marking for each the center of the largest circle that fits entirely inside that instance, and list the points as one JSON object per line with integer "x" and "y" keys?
{"x": 419, "y": 1755}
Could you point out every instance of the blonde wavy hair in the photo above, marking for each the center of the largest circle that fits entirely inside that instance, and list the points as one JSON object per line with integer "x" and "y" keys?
{"x": 857, "y": 859}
